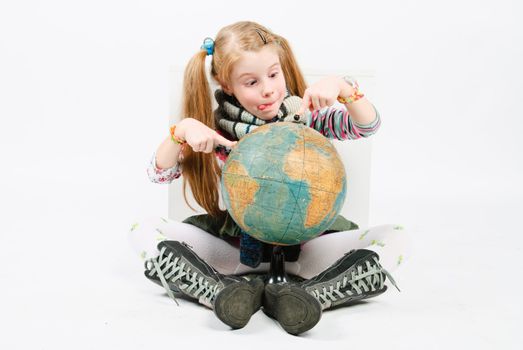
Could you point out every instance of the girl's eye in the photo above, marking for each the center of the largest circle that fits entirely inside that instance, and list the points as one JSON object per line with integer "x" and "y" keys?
{"x": 253, "y": 82}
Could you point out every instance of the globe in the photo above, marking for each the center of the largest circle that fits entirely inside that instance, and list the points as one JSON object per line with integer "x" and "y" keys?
{"x": 284, "y": 183}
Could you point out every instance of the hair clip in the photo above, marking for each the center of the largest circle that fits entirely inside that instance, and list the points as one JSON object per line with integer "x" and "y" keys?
{"x": 208, "y": 45}
{"x": 261, "y": 36}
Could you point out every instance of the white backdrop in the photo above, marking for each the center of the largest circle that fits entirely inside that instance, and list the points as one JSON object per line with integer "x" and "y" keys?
{"x": 84, "y": 98}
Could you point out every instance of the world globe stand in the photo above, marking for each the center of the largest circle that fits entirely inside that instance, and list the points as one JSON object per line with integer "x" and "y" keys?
{"x": 277, "y": 268}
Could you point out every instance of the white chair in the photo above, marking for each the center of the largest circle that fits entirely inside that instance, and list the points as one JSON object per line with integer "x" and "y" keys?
{"x": 355, "y": 154}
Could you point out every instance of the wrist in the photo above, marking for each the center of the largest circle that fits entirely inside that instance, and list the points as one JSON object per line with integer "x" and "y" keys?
{"x": 177, "y": 135}
{"x": 345, "y": 95}
{"x": 349, "y": 92}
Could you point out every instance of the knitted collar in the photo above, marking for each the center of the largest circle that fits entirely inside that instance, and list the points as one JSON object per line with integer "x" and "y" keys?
{"x": 231, "y": 117}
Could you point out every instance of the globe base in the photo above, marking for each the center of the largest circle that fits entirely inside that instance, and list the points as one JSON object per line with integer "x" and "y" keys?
{"x": 277, "y": 268}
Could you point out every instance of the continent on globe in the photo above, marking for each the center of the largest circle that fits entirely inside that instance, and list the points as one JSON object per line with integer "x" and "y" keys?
{"x": 284, "y": 183}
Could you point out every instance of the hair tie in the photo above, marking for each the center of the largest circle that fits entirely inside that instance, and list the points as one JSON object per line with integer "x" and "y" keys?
{"x": 208, "y": 45}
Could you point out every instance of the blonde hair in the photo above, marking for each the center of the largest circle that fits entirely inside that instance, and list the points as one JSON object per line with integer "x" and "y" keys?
{"x": 201, "y": 170}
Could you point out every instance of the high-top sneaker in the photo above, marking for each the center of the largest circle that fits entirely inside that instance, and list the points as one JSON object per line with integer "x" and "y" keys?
{"x": 298, "y": 305}
{"x": 181, "y": 271}
{"x": 357, "y": 275}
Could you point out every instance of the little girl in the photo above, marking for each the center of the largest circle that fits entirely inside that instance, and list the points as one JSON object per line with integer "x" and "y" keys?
{"x": 204, "y": 256}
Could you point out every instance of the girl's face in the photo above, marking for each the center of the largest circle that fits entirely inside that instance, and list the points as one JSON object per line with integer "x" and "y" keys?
{"x": 258, "y": 83}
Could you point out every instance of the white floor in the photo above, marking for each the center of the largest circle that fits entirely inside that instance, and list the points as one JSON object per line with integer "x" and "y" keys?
{"x": 70, "y": 281}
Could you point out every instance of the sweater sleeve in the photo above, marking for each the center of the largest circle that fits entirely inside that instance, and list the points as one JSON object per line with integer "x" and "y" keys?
{"x": 335, "y": 123}
{"x": 163, "y": 176}
{"x": 166, "y": 176}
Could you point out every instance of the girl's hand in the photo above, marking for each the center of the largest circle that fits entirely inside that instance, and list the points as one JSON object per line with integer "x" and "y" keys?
{"x": 199, "y": 136}
{"x": 322, "y": 94}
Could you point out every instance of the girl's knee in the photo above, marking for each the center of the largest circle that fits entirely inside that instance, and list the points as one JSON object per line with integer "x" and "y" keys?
{"x": 144, "y": 236}
{"x": 393, "y": 244}
{"x": 379, "y": 234}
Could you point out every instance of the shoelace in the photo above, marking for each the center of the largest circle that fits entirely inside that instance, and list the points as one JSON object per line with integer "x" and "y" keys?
{"x": 360, "y": 281}
{"x": 192, "y": 283}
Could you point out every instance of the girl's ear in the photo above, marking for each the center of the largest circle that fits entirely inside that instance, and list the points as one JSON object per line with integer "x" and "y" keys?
{"x": 226, "y": 88}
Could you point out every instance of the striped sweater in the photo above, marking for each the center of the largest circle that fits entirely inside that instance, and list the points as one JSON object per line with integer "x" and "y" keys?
{"x": 333, "y": 123}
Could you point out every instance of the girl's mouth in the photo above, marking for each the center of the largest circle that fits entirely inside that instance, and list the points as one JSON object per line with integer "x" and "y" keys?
{"x": 265, "y": 106}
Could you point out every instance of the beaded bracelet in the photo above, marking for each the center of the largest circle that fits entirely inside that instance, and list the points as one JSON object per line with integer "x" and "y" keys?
{"x": 356, "y": 95}
{"x": 174, "y": 138}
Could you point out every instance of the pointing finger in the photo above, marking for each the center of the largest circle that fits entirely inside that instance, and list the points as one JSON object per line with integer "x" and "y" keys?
{"x": 220, "y": 140}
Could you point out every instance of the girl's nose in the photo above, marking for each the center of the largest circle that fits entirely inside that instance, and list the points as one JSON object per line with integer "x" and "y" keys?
{"x": 267, "y": 91}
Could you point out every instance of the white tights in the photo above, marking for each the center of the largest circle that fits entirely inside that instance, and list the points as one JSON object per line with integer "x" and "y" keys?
{"x": 391, "y": 242}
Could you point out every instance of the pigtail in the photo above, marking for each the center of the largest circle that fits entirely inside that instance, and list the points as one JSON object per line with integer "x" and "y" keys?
{"x": 200, "y": 169}
{"x": 293, "y": 75}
